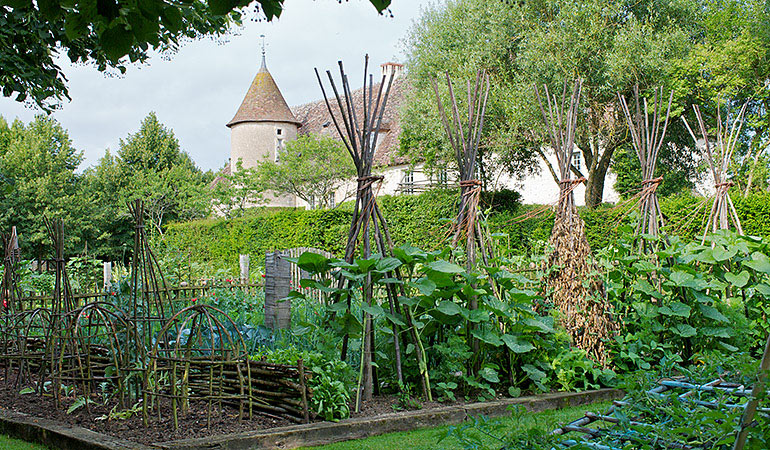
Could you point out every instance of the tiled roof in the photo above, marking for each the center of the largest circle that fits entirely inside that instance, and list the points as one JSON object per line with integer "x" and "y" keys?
{"x": 315, "y": 118}
{"x": 263, "y": 102}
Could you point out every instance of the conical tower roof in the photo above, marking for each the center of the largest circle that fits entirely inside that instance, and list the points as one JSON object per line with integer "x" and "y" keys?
{"x": 263, "y": 102}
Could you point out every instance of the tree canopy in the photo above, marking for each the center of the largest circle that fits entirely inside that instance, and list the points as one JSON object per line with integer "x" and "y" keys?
{"x": 311, "y": 167}
{"x": 108, "y": 34}
{"x": 39, "y": 163}
{"x": 610, "y": 45}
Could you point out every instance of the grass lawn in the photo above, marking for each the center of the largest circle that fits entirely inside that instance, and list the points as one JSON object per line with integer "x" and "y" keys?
{"x": 7, "y": 443}
{"x": 428, "y": 438}
{"x": 425, "y": 439}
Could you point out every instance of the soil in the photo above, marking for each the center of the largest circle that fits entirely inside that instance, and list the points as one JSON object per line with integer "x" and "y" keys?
{"x": 194, "y": 424}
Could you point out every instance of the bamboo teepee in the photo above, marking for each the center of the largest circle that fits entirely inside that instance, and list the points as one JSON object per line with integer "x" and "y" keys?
{"x": 719, "y": 154}
{"x": 647, "y": 136}
{"x": 358, "y": 126}
{"x": 576, "y": 291}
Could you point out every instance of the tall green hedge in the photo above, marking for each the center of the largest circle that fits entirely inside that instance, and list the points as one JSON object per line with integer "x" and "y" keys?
{"x": 423, "y": 221}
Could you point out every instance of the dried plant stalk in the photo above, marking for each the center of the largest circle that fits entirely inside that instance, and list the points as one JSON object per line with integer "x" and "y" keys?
{"x": 572, "y": 277}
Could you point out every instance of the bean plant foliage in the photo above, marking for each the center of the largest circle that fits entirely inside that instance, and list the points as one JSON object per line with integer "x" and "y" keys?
{"x": 689, "y": 298}
{"x": 520, "y": 343}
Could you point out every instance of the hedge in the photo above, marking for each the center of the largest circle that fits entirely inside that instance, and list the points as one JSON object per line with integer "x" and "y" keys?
{"x": 423, "y": 221}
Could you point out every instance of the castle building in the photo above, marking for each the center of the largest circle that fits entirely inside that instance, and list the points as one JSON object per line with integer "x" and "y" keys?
{"x": 264, "y": 123}
{"x": 261, "y": 126}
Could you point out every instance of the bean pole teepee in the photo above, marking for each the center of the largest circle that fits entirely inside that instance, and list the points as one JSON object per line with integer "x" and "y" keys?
{"x": 579, "y": 295}
{"x": 358, "y": 127}
{"x": 647, "y": 136}
{"x": 464, "y": 134}
{"x": 719, "y": 155}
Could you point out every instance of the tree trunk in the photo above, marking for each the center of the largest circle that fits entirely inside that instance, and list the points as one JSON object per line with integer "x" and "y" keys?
{"x": 597, "y": 174}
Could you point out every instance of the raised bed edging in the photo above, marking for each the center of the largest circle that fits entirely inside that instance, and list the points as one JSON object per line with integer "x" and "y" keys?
{"x": 57, "y": 435}
{"x": 62, "y": 436}
{"x": 327, "y": 432}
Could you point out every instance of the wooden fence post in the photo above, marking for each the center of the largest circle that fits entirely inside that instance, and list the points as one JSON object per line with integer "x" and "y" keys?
{"x": 244, "y": 263}
{"x": 107, "y": 275}
{"x": 277, "y": 281}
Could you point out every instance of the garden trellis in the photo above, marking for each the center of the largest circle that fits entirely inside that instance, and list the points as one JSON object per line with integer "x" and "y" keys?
{"x": 128, "y": 348}
{"x": 464, "y": 134}
{"x": 719, "y": 156}
{"x": 576, "y": 290}
{"x": 647, "y": 137}
{"x": 358, "y": 126}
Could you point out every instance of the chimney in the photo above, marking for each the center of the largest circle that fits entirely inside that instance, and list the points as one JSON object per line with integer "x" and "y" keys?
{"x": 391, "y": 69}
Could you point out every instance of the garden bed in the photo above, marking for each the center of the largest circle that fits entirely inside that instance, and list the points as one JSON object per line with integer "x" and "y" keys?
{"x": 261, "y": 431}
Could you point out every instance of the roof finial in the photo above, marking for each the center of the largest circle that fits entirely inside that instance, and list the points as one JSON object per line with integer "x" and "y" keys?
{"x": 264, "y": 64}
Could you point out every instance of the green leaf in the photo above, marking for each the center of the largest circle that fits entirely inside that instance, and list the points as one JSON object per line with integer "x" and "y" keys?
{"x": 517, "y": 346}
{"x": 313, "y": 262}
{"x": 380, "y": 4}
{"x": 116, "y": 42}
{"x": 489, "y": 374}
{"x": 488, "y": 337}
{"x": 763, "y": 289}
{"x": 712, "y": 313}
{"x": 533, "y": 372}
{"x": 171, "y": 18}
{"x": 721, "y": 253}
{"x": 740, "y": 280}
{"x": 759, "y": 262}
{"x": 445, "y": 267}
{"x": 387, "y": 264}
{"x": 539, "y": 323}
{"x": 221, "y": 7}
{"x": 678, "y": 309}
{"x": 373, "y": 310}
{"x": 425, "y": 286}
{"x": 720, "y": 332}
{"x": 449, "y": 308}
{"x": 680, "y": 279}
{"x": 684, "y": 330}
{"x": 477, "y": 316}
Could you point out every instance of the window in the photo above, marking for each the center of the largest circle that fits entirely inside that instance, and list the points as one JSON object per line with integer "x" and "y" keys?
{"x": 442, "y": 177}
{"x": 278, "y": 149}
{"x": 577, "y": 161}
{"x": 407, "y": 182}
{"x": 278, "y": 131}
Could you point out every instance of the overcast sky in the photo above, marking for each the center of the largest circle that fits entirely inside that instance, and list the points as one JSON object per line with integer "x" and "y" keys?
{"x": 198, "y": 90}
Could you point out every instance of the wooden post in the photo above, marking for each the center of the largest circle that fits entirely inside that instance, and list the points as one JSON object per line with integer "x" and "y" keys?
{"x": 107, "y": 275}
{"x": 277, "y": 280}
{"x": 244, "y": 263}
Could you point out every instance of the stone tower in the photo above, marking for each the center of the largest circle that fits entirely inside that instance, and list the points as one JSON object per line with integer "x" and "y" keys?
{"x": 261, "y": 127}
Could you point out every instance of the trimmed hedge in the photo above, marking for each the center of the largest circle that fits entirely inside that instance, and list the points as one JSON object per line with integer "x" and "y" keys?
{"x": 424, "y": 221}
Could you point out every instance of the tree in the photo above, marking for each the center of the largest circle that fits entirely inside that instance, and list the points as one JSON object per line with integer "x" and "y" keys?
{"x": 39, "y": 162}
{"x": 311, "y": 167}
{"x": 108, "y": 34}
{"x": 609, "y": 45}
{"x": 730, "y": 66}
{"x": 235, "y": 191}
{"x": 150, "y": 166}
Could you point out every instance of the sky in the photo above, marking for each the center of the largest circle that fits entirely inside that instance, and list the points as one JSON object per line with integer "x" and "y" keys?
{"x": 196, "y": 91}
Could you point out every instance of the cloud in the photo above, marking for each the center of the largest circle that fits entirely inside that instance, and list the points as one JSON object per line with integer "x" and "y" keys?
{"x": 198, "y": 90}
